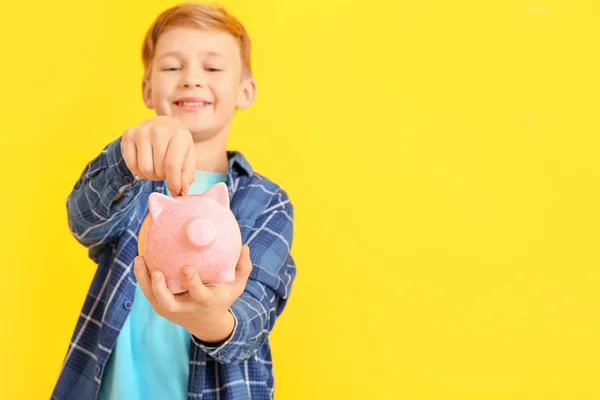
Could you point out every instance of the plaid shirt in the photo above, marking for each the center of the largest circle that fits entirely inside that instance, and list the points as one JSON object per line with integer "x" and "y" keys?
{"x": 240, "y": 368}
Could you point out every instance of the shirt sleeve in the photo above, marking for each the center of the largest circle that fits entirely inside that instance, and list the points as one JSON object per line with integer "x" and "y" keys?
{"x": 269, "y": 285}
{"x": 93, "y": 215}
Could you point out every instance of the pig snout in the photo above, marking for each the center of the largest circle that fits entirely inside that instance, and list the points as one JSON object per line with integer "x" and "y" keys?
{"x": 200, "y": 233}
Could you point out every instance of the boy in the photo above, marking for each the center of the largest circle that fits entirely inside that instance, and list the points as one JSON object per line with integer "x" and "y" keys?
{"x": 134, "y": 338}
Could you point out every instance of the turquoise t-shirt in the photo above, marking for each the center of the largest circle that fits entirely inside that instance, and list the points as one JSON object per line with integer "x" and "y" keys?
{"x": 151, "y": 357}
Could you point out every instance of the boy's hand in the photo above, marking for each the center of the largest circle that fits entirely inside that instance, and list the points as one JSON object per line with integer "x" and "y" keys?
{"x": 161, "y": 148}
{"x": 202, "y": 310}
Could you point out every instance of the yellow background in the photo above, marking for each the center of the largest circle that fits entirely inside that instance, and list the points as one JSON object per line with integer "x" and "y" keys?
{"x": 442, "y": 157}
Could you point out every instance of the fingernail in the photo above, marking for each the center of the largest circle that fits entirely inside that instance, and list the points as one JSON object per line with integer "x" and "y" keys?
{"x": 137, "y": 263}
{"x": 156, "y": 275}
{"x": 189, "y": 272}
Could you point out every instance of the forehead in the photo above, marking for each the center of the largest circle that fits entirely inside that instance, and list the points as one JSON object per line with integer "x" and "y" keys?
{"x": 190, "y": 42}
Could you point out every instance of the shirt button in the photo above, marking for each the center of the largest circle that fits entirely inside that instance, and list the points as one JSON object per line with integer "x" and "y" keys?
{"x": 222, "y": 353}
{"x": 98, "y": 370}
{"x": 127, "y": 180}
{"x": 127, "y": 305}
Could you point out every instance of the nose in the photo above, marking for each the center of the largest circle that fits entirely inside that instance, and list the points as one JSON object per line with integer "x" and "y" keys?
{"x": 192, "y": 78}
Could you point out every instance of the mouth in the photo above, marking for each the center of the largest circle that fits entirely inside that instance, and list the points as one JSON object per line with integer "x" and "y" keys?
{"x": 192, "y": 103}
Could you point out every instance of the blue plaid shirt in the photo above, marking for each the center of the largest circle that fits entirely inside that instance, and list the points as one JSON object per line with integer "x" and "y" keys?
{"x": 240, "y": 368}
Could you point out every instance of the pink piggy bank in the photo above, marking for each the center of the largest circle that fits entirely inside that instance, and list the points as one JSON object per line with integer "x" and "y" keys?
{"x": 196, "y": 230}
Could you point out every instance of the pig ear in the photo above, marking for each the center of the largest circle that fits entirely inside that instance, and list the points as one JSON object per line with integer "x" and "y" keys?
{"x": 157, "y": 203}
{"x": 219, "y": 193}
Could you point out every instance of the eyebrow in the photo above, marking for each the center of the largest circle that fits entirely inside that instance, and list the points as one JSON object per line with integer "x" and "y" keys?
{"x": 179, "y": 54}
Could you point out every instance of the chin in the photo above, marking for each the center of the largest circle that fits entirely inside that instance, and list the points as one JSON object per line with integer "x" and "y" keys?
{"x": 201, "y": 133}
{"x": 199, "y": 128}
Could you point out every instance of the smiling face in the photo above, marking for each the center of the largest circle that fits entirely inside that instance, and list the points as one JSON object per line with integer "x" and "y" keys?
{"x": 197, "y": 76}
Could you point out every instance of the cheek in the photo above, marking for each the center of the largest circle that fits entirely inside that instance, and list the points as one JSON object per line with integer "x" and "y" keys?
{"x": 226, "y": 93}
{"x": 160, "y": 91}
{"x": 164, "y": 84}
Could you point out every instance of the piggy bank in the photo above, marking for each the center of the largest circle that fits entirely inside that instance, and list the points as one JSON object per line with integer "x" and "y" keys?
{"x": 194, "y": 230}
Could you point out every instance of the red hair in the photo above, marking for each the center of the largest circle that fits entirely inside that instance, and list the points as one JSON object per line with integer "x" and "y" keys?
{"x": 202, "y": 16}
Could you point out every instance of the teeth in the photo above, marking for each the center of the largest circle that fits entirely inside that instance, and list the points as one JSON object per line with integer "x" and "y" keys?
{"x": 194, "y": 104}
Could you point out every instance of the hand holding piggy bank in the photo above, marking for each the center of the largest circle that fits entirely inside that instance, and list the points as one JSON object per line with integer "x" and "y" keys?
{"x": 194, "y": 230}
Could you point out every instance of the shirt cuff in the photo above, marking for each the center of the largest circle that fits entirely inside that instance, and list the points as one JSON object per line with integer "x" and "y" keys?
{"x": 229, "y": 350}
{"x": 121, "y": 177}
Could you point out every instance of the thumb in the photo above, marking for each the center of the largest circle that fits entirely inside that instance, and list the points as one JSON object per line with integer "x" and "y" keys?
{"x": 139, "y": 263}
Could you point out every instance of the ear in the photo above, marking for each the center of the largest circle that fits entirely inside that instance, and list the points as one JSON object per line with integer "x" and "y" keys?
{"x": 219, "y": 193}
{"x": 157, "y": 203}
{"x": 147, "y": 91}
{"x": 247, "y": 93}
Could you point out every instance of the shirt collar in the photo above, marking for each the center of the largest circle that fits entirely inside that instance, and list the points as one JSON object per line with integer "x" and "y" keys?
{"x": 238, "y": 165}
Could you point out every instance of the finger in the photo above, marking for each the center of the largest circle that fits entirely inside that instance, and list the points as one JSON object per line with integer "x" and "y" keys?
{"x": 188, "y": 173}
{"x": 160, "y": 144}
{"x": 198, "y": 292}
{"x": 174, "y": 158}
{"x": 164, "y": 297}
{"x": 243, "y": 269}
{"x": 143, "y": 277}
{"x": 129, "y": 151}
{"x": 145, "y": 158}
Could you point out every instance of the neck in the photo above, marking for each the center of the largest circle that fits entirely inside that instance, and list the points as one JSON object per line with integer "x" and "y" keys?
{"x": 211, "y": 155}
